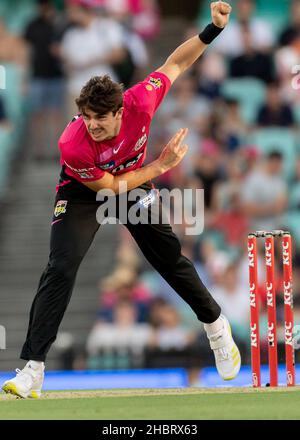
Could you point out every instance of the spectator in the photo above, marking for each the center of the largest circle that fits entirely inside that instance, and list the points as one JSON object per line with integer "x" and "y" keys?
{"x": 135, "y": 49}
{"x": 234, "y": 301}
{"x": 12, "y": 48}
{"x": 207, "y": 169}
{"x": 171, "y": 344}
{"x": 233, "y": 178}
{"x": 135, "y": 57}
{"x": 264, "y": 194}
{"x": 146, "y": 21}
{"x": 274, "y": 112}
{"x": 144, "y": 15}
{"x": 170, "y": 334}
{"x": 211, "y": 71}
{"x": 90, "y": 48}
{"x": 232, "y": 43}
{"x": 184, "y": 109}
{"x": 232, "y": 129}
{"x": 286, "y": 59}
{"x": 292, "y": 30}
{"x": 123, "y": 285}
{"x": 252, "y": 62}
{"x": 47, "y": 89}
{"x": 123, "y": 337}
{"x": 232, "y": 221}
{"x": 294, "y": 199}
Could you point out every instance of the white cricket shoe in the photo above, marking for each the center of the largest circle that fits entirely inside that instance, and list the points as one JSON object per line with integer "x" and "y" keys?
{"x": 27, "y": 383}
{"x": 227, "y": 355}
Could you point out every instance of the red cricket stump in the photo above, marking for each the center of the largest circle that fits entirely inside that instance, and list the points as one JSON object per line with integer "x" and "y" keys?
{"x": 288, "y": 308}
{"x": 254, "y": 311}
{"x": 271, "y": 308}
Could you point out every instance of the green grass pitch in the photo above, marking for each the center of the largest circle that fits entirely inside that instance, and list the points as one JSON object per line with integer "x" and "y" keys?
{"x": 173, "y": 404}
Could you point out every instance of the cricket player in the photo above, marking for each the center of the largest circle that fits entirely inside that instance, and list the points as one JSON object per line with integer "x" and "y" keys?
{"x": 103, "y": 147}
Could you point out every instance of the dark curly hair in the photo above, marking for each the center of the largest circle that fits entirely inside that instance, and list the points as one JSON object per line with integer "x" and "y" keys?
{"x": 100, "y": 95}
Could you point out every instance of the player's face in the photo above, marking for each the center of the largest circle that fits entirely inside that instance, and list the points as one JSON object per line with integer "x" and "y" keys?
{"x": 102, "y": 127}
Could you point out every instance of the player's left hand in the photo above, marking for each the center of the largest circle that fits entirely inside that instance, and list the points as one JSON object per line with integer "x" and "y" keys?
{"x": 220, "y": 12}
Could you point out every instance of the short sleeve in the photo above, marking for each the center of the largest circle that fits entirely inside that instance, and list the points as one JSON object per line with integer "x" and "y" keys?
{"x": 147, "y": 95}
{"x": 81, "y": 168}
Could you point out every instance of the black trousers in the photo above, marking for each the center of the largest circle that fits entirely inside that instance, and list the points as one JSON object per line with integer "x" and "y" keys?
{"x": 73, "y": 230}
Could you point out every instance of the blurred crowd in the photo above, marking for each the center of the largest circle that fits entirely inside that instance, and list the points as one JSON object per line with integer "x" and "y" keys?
{"x": 141, "y": 321}
{"x": 58, "y": 51}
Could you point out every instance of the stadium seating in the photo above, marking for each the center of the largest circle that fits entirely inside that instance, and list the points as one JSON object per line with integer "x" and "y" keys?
{"x": 250, "y": 92}
{"x": 278, "y": 139}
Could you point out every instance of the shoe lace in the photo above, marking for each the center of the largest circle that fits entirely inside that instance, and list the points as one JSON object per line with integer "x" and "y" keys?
{"x": 26, "y": 374}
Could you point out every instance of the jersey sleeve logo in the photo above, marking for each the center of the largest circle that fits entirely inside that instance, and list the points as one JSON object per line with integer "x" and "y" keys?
{"x": 155, "y": 82}
{"x": 141, "y": 142}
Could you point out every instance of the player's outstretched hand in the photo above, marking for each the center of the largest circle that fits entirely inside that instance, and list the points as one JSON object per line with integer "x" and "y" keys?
{"x": 174, "y": 152}
{"x": 220, "y": 12}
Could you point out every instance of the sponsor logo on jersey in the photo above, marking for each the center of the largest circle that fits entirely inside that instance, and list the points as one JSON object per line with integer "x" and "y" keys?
{"x": 116, "y": 149}
{"x": 129, "y": 163}
{"x": 84, "y": 173}
{"x": 107, "y": 166}
{"x": 60, "y": 208}
{"x": 141, "y": 142}
{"x": 155, "y": 82}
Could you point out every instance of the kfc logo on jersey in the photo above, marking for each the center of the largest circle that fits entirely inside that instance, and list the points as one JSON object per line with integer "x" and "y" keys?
{"x": 141, "y": 142}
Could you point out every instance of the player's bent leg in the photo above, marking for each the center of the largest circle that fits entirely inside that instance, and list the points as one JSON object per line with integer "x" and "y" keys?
{"x": 28, "y": 382}
{"x": 162, "y": 249}
{"x": 49, "y": 306}
{"x": 70, "y": 240}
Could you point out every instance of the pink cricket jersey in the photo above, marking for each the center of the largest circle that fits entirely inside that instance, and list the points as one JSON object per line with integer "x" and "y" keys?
{"x": 87, "y": 160}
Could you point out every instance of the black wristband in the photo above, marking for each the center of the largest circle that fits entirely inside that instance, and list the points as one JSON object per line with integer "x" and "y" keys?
{"x": 210, "y": 33}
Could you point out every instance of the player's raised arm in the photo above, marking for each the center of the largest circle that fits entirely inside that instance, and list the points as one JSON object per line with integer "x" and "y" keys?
{"x": 186, "y": 54}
